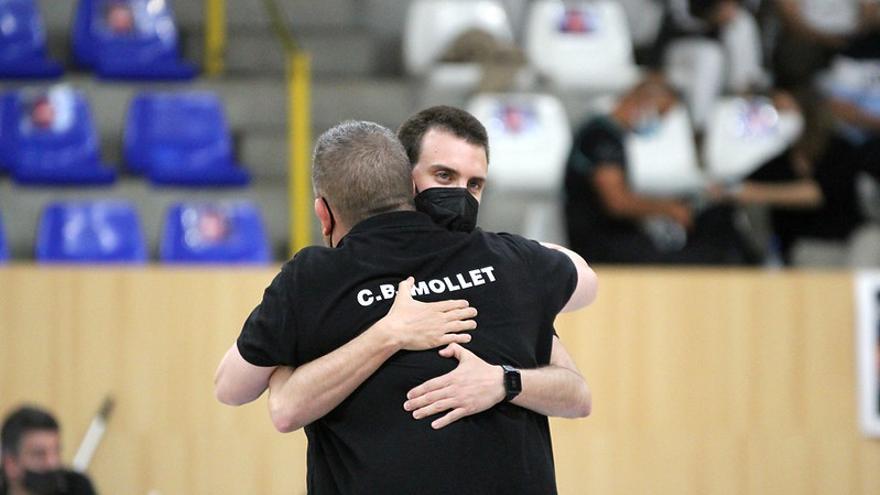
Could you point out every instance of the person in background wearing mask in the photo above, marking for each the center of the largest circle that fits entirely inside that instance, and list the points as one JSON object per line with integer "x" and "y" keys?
{"x": 608, "y": 222}
{"x": 31, "y": 455}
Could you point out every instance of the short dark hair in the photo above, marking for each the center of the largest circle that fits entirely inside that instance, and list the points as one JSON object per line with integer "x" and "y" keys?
{"x": 22, "y": 421}
{"x": 450, "y": 119}
{"x": 361, "y": 170}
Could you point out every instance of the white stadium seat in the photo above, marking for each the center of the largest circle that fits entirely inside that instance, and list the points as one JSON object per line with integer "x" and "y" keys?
{"x": 744, "y": 133}
{"x": 431, "y": 25}
{"x": 530, "y": 138}
{"x": 582, "y": 45}
{"x": 664, "y": 162}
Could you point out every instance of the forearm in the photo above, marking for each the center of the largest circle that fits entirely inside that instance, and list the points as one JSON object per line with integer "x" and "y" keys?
{"x": 634, "y": 207}
{"x": 801, "y": 194}
{"x": 299, "y": 397}
{"x": 554, "y": 391}
{"x": 237, "y": 382}
{"x": 854, "y": 115}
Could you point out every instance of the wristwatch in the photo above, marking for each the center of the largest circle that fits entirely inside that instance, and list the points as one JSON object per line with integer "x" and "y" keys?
{"x": 512, "y": 382}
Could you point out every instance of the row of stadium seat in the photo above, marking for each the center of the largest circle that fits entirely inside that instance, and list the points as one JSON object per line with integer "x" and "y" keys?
{"x": 581, "y": 44}
{"x": 172, "y": 138}
{"x": 531, "y": 139}
{"x": 109, "y": 231}
{"x": 118, "y": 39}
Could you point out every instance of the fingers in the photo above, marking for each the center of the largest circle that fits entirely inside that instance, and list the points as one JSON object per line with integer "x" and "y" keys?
{"x": 458, "y": 326}
{"x": 429, "y": 386}
{"x": 420, "y": 401}
{"x": 434, "y": 408}
{"x": 451, "y": 305}
{"x": 452, "y": 350}
{"x": 449, "y": 418}
{"x": 461, "y": 314}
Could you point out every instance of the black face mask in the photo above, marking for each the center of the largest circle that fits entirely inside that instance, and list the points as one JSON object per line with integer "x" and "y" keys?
{"x": 453, "y": 208}
{"x": 45, "y": 482}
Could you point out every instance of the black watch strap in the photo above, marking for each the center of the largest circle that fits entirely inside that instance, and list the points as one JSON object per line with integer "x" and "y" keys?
{"x": 512, "y": 382}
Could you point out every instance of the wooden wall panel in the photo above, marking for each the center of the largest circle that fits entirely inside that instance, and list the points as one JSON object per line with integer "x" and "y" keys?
{"x": 704, "y": 382}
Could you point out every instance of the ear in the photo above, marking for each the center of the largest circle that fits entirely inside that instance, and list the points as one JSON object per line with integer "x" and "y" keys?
{"x": 323, "y": 215}
{"x": 11, "y": 469}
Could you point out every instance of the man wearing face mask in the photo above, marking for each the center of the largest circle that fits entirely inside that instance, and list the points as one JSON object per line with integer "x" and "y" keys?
{"x": 31, "y": 456}
{"x": 608, "y": 222}
{"x": 346, "y": 384}
{"x": 448, "y": 150}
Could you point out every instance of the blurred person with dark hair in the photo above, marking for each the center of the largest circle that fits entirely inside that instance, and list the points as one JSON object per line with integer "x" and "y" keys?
{"x": 707, "y": 47}
{"x": 788, "y": 185}
{"x": 852, "y": 93}
{"x": 608, "y": 222}
{"x": 31, "y": 455}
{"x": 814, "y": 31}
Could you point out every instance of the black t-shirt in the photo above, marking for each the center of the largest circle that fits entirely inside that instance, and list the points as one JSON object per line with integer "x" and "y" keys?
{"x": 599, "y": 142}
{"x": 369, "y": 444}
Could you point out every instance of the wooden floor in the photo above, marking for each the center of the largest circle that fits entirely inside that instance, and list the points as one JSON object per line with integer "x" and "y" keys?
{"x": 704, "y": 382}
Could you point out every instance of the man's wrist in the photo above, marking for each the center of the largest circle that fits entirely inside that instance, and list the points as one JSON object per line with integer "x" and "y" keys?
{"x": 386, "y": 337}
{"x": 512, "y": 382}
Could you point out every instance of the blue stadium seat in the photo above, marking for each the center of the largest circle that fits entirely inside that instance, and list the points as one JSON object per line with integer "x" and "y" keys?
{"x": 4, "y": 249}
{"x": 223, "y": 233}
{"x": 48, "y": 138}
{"x": 104, "y": 231}
{"x": 181, "y": 139}
{"x": 7, "y": 106}
{"x": 23, "y": 43}
{"x": 129, "y": 39}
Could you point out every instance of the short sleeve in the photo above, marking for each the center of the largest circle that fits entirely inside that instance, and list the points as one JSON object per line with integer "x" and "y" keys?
{"x": 268, "y": 335}
{"x": 555, "y": 274}
{"x": 596, "y": 145}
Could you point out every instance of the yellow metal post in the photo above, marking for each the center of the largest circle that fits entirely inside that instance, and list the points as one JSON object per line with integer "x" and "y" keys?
{"x": 215, "y": 36}
{"x": 299, "y": 149}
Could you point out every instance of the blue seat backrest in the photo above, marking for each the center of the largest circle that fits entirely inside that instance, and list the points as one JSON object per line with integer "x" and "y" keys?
{"x": 4, "y": 248}
{"x": 189, "y": 129}
{"x": 8, "y": 128}
{"x": 73, "y": 141}
{"x": 105, "y": 231}
{"x": 154, "y": 33}
{"x": 230, "y": 232}
{"x": 22, "y": 35}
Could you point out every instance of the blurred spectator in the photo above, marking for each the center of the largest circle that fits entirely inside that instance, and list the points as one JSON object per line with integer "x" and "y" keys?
{"x": 608, "y": 222}
{"x": 852, "y": 90}
{"x": 500, "y": 60}
{"x": 786, "y": 185}
{"x": 813, "y": 31}
{"x": 706, "y": 47}
{"x": 31, "y": 455}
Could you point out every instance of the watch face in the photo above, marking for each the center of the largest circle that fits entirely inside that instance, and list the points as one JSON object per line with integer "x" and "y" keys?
{"x": 512, "y": 382}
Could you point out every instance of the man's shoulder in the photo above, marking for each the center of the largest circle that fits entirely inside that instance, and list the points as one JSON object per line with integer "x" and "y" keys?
{"x": 309, "y": 260}
{"x": 511, "y": 245}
